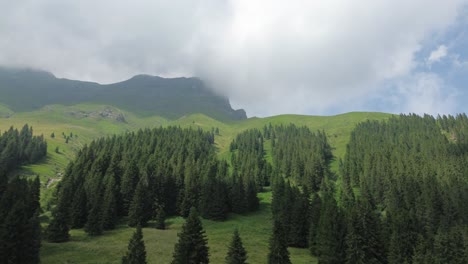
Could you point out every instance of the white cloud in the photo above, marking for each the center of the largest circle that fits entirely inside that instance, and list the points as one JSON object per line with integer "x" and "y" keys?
{"x": 437, "y": 54}
{"x": 459, "y": 63}
{"x": 424, "y": 93}
{"x": 270, "y": 57}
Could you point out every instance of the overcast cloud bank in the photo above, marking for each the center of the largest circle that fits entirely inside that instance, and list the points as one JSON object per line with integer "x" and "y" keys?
{"x": 269, "y": 57}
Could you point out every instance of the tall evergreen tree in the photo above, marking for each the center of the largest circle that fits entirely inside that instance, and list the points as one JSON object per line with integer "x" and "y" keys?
{"x": 192, "y": 246}
{"x": 331, "y": 233}
{"x": 109, "y": 216}
{"x": 363, "y": 238}
{"x": 140, "y": 211}
{"x": 34, "y": 196}
{"x": 314, "y": 222}
{"x": 421, "y": 254}
{"x": 278, "y": 253}
{"x": 237, "y": 198}
{"x": 236, "y": 253}
{"x": 136, "y": 213}
{"x": 213, "y": 201}
{"x": 94, "y": 226}
{"x": 58, "y": 231}
{"x": 251, "y": 194}
{"x": 160, "y": 217}
{"x": 78, "y": 210}
{"x": 12, "y": 235}
{"x": 130, "y": 179}
{"x": 191, "y": 191}
{"x": 299, "y": 220}
{"x": 32, "y": 237}
{"x": 20, "y": 239}
{"x": 136, "y": 253}
{"x": 449, "y": 247}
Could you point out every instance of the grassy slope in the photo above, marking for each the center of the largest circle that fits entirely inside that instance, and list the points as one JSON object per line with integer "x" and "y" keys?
{"x": 254, "y": 228}
{"x": 109, "y": 248}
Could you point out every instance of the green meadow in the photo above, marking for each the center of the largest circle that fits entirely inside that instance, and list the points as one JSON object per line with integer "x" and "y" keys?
{"x": 109, "y": 248}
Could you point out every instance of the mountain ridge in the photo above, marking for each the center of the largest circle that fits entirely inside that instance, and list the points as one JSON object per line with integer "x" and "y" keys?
{"x": 29, "y": 89}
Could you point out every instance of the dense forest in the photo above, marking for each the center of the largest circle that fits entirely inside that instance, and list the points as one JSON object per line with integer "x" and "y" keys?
{"x": 406, "y": 179}
{"x": 300, "y": 154}
{"x": 144, "y": 176}
{"x": 19, "y": 148}
{"x": 20, "y": 231}
{"x": 399, "y": 196}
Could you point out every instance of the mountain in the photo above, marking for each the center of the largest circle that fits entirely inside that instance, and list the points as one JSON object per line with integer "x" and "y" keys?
{"x": 26, "y": 90}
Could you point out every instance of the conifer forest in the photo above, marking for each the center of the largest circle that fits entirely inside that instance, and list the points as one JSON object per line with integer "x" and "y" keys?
{"x": 399, "y": 195}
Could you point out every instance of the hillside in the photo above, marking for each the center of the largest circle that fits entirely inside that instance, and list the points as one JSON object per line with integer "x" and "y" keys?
{"x": 90, "y": 121}
{"x": 68, "y": 128}
{"x": 83, "y": 122}
{"x": 25, "y": 90}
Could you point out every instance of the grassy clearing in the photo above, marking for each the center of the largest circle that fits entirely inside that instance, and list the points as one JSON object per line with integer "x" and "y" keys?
{"x": 255, "y": 230}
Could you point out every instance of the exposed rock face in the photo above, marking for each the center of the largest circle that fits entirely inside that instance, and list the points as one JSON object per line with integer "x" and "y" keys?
{"x": 106, "y": 113}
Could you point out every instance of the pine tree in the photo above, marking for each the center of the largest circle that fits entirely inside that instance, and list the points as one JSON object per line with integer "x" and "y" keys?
{"x": 129, "y": 181}
{"x": 192, "y": 245}
{"x": 139, "y": 212}
{"x": 237, "y": 198}
{"x": 12, "y": 236}
{"x": 34, "y": 196}
{"x": 403, "y": 238}
{"x": 314, "y": 222}
{"x": 136, "y": 253}
{"x": 299, "y": 225}
{"x": 331, "y": 232}
{"x": 94, "y": 226}
{"x": 278, "y": 199}
{"x": 110, "y": 204}
{"x": 251, "y": 193}
{"x": 32, "y": 229}
{"x": 213, "y": 199}
{"x": 363, "y": 238}
{"x": 236, "y": 253}
{"x": 160, "y": 218}
{"x": 191, "y": 189}
{"x": 32, "y": 238}
{"x": 449, "y": 247}
{"x": 420, "y": 252}
{"x": 279, "y": 253}
{"x": 78, "y": 210}
{"x": 58, "y": 230}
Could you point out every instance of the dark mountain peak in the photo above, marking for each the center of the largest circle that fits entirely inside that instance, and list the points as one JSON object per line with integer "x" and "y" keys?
{"x": 28, "y": 89}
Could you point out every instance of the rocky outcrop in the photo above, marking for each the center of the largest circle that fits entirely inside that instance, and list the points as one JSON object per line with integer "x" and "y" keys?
{"x": 107, "y": 113}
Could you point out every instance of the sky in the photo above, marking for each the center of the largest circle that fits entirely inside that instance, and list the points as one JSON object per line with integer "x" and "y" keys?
{"x": 269, "y": 57}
